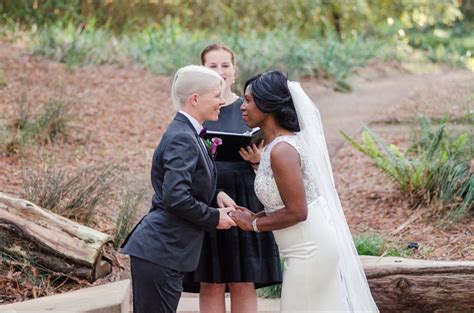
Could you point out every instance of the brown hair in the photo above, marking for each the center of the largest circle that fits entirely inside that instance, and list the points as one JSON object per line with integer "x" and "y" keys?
{"x": 215, "y": 47}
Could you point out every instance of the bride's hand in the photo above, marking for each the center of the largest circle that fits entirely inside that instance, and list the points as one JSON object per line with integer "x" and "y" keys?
{"x": 243, "y": 217}
{"x": 224, "y": 200}
{"x": 244, "y": 211}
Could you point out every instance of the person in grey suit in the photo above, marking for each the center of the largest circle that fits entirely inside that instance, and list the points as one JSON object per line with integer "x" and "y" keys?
{"x": 167, "y": 241}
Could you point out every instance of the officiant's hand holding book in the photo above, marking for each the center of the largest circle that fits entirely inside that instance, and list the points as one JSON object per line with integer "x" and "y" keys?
{"x": 253, "y": 153}
{"x": 229, "y": 150}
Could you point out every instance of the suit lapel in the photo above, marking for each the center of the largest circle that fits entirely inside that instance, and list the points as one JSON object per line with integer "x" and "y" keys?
{"x": 205, "y": 154}
{"x": 209, "y": 162}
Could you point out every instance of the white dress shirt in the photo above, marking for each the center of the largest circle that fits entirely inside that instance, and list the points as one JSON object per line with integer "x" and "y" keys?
{"x": 197, "y": 126}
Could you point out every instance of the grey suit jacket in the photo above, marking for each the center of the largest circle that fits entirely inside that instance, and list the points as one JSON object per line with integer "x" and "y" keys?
{"x": 184, "y": 180}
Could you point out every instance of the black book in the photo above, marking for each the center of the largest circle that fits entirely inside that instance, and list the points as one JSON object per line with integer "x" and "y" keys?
{"x": 228, "y": 151}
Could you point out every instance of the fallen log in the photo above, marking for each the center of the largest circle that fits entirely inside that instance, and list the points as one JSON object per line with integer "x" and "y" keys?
{"x": 52, "y": 241}
{"x": 409, "y": 285}
{"x": 397, "y": 284}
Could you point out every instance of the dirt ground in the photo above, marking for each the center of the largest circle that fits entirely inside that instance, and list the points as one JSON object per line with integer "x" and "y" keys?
{"x": 120, "y": 111}
{"x": 388, "y": 104}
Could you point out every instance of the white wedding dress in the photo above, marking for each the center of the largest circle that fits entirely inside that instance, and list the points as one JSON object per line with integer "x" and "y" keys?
{"x": 312, "y": 281}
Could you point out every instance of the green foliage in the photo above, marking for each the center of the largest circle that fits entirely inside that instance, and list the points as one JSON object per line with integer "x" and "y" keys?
{"x": 375, "y": 245}
{"x": 72, "y": 194}
{"x": 339, "y": 59}
{"x": 311, "y": 18}
{"x": 369, "y": 245}
{"x": 327, "y": 39}
{"x": 328, "y": 58}
{"x": 164, "y": 49}
{"x": 435, "y": 169}
{"x": 270, "y": 292}
{"x": 63, "y": 42}
{"x": 51, "y": 122}
{"x": 40, "y": 12}
{"x": 453, "y": 45}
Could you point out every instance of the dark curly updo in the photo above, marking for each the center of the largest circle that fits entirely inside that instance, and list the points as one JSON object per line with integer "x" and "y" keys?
{"x": 271, "y": 95}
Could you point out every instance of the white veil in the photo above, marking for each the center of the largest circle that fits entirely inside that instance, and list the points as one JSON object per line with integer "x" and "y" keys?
{"x": 313, "y": 140}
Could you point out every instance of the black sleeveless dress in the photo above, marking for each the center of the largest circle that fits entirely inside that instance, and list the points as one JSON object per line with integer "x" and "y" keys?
{"x": 234, "y": 255}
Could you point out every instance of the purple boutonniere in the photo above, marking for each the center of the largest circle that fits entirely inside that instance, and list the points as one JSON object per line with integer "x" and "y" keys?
{"x": 212, "y": 146}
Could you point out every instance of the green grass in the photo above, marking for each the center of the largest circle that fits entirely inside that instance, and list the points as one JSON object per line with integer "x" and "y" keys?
{"x": 376, "y": 245}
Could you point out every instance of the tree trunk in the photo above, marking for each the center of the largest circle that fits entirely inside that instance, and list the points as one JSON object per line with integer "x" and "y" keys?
{"x": 408, "y": 285}
{"x": 336, "y": 18}
{"x": 53, "y": 241}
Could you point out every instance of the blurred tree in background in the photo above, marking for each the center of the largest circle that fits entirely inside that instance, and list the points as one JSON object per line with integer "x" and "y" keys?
{"x": 322, "y": 38}
{"x": 308, "y": 16}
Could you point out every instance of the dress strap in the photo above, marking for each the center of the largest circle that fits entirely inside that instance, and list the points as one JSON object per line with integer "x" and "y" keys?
{"x": 292, "y": 140}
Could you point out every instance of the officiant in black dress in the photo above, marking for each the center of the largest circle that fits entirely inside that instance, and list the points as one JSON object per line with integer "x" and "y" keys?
{"x": 233, "y": 260}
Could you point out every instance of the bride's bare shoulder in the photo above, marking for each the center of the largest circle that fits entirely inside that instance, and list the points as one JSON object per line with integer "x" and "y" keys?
{"x": 284, "y": 154}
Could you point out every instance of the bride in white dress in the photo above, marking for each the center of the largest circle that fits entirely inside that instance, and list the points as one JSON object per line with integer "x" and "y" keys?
{"x": 295, "y": 184}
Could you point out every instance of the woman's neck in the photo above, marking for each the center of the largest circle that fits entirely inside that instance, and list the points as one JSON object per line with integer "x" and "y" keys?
{"x": 272, "y": 131}
{"x": 229, "y": 96}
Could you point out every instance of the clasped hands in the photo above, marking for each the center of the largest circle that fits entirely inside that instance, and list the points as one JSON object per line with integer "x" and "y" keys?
{"x": 233, "y": 215}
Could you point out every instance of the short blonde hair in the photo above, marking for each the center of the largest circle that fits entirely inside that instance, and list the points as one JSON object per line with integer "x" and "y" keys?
{"x": 192, "y": 79}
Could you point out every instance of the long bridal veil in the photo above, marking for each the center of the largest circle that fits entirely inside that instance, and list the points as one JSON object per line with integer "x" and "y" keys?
{"x": 357, "y": 289}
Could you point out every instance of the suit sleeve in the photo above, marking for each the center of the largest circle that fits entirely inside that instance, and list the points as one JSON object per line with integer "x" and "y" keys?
{"x": 180, "y": 160}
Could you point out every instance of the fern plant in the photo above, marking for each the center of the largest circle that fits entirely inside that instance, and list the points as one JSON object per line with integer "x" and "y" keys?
{"x": 435, "y": 169}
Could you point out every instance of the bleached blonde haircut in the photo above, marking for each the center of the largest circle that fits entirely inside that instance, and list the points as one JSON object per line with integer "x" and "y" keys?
{"x": 193, "y": 79}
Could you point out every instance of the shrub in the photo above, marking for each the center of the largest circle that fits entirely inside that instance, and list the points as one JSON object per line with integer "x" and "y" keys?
{"x": 435, "y": 169}
{"x": 66, "y": 43}
{"x": 130, "y": 200}
{"x": 74, "y": 195}
{"x": 164, "y": 49}
{"x": 51, "y": 122}
{"x": 450, "y": 45}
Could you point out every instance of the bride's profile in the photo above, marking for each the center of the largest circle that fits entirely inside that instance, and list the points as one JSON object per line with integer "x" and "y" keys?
{"x": 294, "y": 182}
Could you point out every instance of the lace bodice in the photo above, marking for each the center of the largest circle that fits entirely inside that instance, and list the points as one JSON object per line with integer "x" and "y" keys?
{"x": 265, "y": 185}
